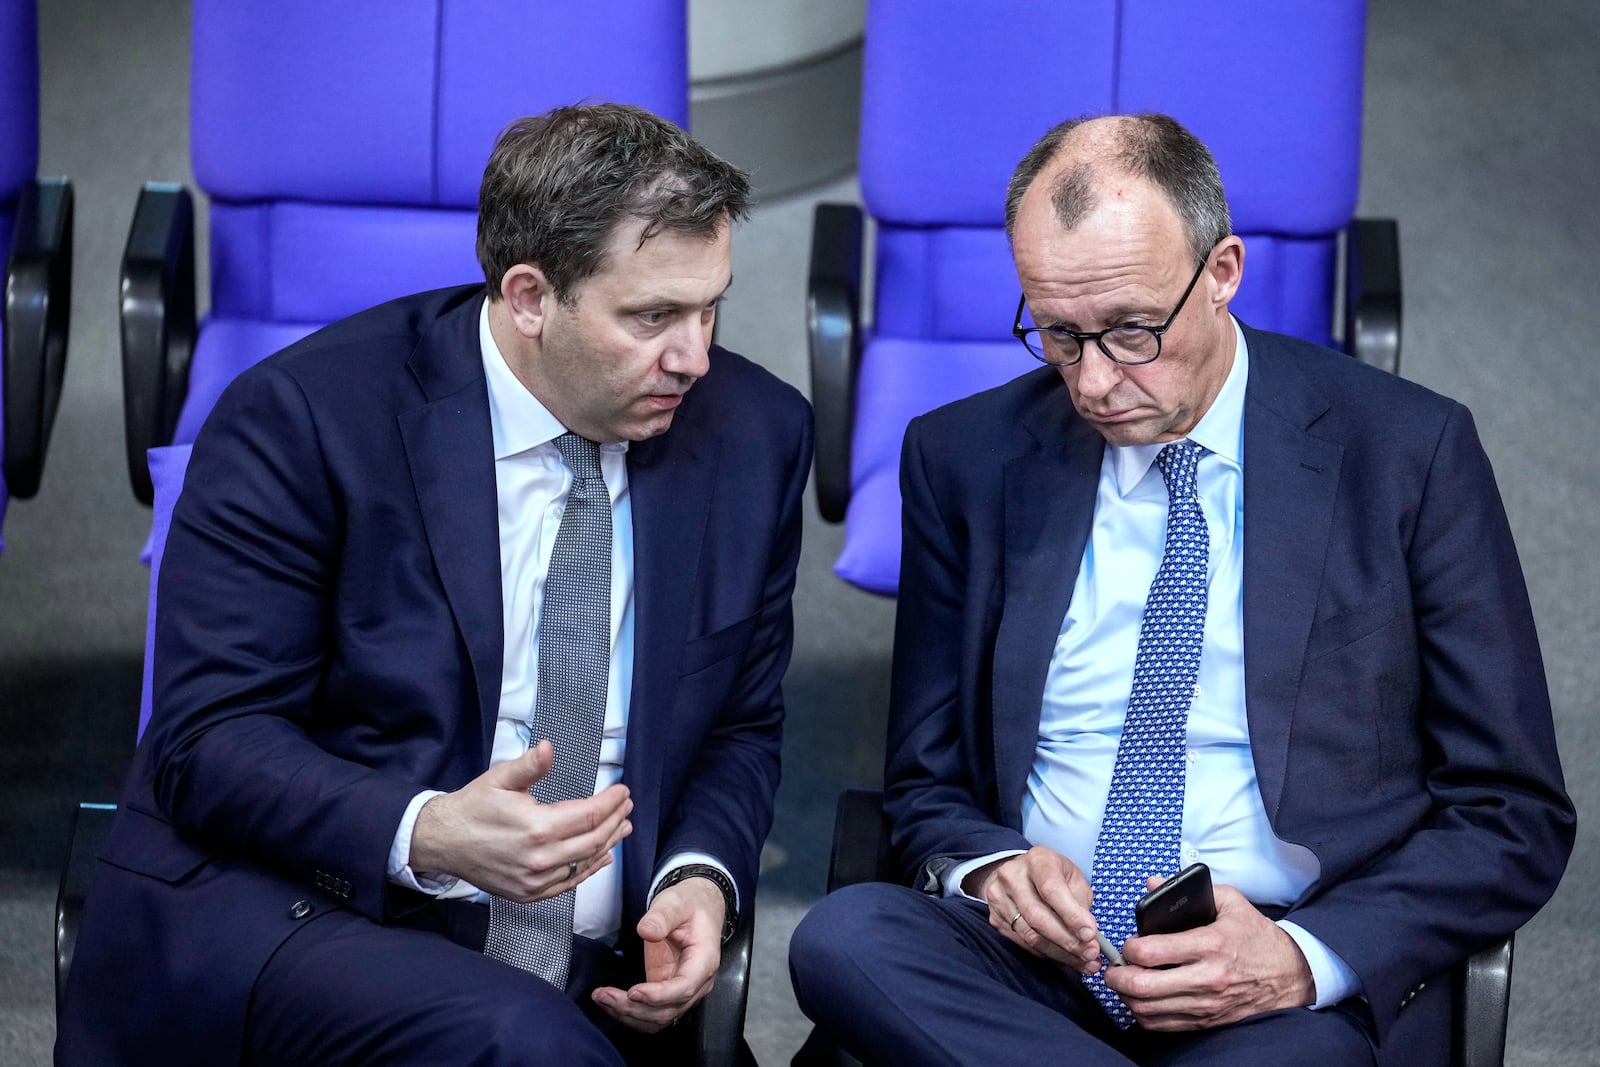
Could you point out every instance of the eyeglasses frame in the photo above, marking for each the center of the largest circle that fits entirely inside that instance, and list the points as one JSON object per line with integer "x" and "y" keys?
{"x": 1021, "y": 333}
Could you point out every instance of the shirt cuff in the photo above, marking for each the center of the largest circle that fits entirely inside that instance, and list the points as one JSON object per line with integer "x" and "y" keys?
{"x": 684, "y": 859}
{"x": 400, "y": 872}
{"x": 957, "y": 874}
{"x": 1332, "y": 976}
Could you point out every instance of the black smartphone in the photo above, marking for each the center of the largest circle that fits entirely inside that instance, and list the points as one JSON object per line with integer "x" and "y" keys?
{"x": 1182, "y": 902}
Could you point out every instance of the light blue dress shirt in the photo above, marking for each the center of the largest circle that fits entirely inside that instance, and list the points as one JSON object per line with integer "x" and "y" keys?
{"x": 1091, "y": 676}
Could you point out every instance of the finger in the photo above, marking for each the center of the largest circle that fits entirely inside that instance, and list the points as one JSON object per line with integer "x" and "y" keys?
{"x": 692, "y": 979}
{"x": 615, "y": 1003}
{"x": 1067, "y": 894}
{"x": 578, "y": 829}
{"x": 1053, "y": 923}
{"x": 520, "y": 774}
{"x": 1016, "y": 911}
{"x": 631, "y": 1007}
{"x": 581, "y": 863}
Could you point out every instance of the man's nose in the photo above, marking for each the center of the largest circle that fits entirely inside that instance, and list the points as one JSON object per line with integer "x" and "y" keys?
{"x": 688, "y": 348}
{"x": 1097, "y": 373}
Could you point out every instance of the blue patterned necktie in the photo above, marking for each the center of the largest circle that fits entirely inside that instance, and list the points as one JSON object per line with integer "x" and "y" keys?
{"x": 1144, "y": 807}
{"x": 574, "y": 672}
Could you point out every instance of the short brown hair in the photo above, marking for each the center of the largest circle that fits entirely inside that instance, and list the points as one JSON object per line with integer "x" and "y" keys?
{"x": 557, "y": 184}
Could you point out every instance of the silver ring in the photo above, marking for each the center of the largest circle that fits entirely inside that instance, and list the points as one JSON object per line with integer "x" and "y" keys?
{"x": 1014, "y": 919}
{"x": 572, "y": 868}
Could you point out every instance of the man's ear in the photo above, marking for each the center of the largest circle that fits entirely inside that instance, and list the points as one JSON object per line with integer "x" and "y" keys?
{"x": 1226, "y": 270}
{"x": 528, "y": 297}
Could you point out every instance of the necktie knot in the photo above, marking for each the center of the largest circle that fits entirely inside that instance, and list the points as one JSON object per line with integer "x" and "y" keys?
{"x": 582, "y": 456}
{"x": 1179, "y": 463}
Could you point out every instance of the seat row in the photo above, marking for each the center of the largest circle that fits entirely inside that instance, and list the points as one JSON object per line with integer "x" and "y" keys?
{"x": 338, "y": 151}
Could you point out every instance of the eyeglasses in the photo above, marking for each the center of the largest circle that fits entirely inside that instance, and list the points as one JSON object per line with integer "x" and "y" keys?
{"x": 1128, "y": 345}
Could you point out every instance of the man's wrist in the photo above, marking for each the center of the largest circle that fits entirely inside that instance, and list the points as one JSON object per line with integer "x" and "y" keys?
{"x": 724, "y": 884}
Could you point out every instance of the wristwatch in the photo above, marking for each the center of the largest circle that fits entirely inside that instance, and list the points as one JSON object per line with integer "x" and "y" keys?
{"x": 730, "y": 899}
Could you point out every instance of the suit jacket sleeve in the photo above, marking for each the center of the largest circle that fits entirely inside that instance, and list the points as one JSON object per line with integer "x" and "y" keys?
{"x": 725, "y": 809}
{"x": 242, "y": 648}
{"x": 940, "y": 793}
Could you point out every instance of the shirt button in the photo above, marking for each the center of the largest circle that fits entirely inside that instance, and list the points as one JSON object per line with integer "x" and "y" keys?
{"x": 300, "y": 909}
{"x": 1193, "y": 756}
{"x": 1191, "y": 855}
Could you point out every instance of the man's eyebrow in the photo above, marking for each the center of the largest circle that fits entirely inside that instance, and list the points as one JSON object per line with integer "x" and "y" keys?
{"x": 661, "y": 300}
{"x": 1115, "y": 318}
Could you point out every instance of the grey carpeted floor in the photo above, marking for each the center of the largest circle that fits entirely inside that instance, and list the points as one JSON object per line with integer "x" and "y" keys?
{"x": 1482, "y": 126}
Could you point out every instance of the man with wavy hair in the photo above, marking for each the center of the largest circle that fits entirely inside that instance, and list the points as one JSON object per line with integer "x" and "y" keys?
{"x": 472, "y": 622}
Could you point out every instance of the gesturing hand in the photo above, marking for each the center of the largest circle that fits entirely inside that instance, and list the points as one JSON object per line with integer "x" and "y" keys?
{"x": 1040, "y": 900}
{"x": 682, "y": 934}
{"x": 1240, "y": 965}
{"x": 492, "y": 833}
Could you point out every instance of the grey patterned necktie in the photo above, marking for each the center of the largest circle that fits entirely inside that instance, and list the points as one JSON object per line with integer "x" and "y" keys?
{"x": 574, "y": 671}
{"x": 1144, "y": 807}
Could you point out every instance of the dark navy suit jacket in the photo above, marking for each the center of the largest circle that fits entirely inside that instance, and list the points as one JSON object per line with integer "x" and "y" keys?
{"x": 330, "y": 642}
{"x": 1395, "y": 693}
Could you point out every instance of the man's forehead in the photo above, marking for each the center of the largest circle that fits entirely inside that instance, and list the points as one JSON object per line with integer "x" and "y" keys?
{"x": 663, "y": 263}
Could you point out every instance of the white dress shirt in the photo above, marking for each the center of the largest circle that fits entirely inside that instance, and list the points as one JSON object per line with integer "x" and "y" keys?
{"x": 1091, "y": 677}
{"x": 531, "y": 483}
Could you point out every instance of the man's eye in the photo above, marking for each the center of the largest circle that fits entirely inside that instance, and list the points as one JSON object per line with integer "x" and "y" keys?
{"x": 652, "y": 318}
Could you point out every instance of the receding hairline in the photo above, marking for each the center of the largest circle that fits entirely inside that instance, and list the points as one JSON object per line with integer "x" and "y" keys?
{"x": 1093, "y": 154}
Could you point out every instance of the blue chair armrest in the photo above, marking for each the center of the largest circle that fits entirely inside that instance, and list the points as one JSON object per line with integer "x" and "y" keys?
{"x": 1482, "y": 992}
{"x": 1372, "y": 292}
{"x": 38, "y": 296}
{"x": 158, "y": 323}
{"x": 833, "y": 329}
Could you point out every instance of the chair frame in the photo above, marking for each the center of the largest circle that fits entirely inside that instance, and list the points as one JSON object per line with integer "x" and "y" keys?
{"x": 38, "y": 297}
{"x": 158, "y": 323}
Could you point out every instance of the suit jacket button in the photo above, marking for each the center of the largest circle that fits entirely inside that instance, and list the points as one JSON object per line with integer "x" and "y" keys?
{"x": 300, "y": 909}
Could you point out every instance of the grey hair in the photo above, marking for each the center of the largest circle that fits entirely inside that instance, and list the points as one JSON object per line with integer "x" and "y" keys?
{"x": 1154, "y": 147}
{"x": 557, "y": 184}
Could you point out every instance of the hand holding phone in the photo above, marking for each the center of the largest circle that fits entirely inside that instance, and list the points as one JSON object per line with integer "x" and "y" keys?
{"x": 1182, "y": 902}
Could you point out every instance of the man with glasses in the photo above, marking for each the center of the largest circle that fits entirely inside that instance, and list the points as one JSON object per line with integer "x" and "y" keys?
{"x": 1226, "y": 598}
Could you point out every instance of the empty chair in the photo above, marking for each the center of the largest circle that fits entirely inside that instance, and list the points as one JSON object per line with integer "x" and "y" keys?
{"x": 954, "y": 94}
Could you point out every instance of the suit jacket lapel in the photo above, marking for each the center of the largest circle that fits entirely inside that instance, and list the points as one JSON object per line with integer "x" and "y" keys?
{"x": 1048, "y": 513}
{"x": 1290, "y": 481}
{"x": 670, "y": 481}
{"x": 450, "y": 448}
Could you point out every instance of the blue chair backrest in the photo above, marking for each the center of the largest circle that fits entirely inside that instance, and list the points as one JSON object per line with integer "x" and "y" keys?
{"x": 19, "y": 142}
{"x": 954, "y": 94}
{"x": 341, "y": 145}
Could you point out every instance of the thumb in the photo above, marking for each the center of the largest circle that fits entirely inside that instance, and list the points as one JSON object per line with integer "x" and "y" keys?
{"x": 521, "y": 773}
{"x": 664, "y": 915}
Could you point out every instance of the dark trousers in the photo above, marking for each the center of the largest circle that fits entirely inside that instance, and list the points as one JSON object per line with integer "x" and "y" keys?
{"x": 345, "y": 990}
{"x": 899, "y": 977}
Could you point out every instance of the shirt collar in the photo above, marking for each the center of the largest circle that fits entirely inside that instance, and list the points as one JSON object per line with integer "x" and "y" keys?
{"x": 518, "y": 420}
{"x": 1219, "y": 430}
